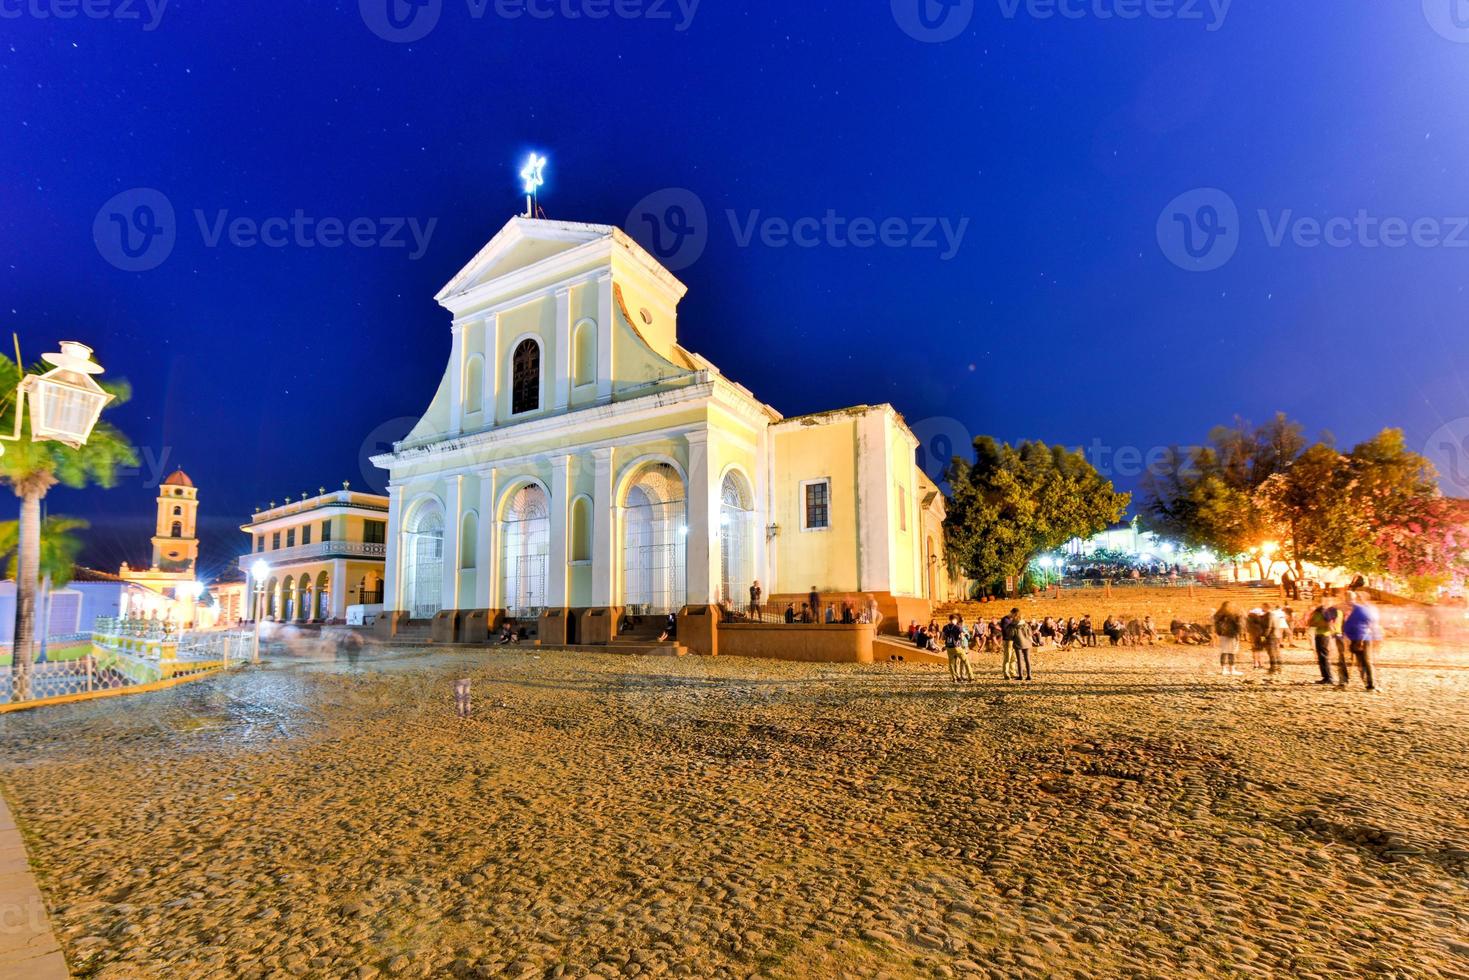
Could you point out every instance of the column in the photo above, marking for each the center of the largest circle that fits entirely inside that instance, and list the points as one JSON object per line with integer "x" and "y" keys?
{"x": 453, "y": 531}
{"x": 337, "y": 586}
{"x": 489, "y": 531}
{"x": 702, "y": 554}
{"x": 491, "y": 386}
{"x": 561, "y": 353}
{"x": 556, "y": 593}
{"x": 604, "y": 530}
{"x": 604, "y": 338}
{"x": 875, "y": 529}
{"x": 456, "y": 381}
{"x": 392, "y": 579}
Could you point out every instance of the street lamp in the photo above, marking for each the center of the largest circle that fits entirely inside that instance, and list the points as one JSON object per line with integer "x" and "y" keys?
{"x": 65, "y": 401}
{"x": 258, "y": 572}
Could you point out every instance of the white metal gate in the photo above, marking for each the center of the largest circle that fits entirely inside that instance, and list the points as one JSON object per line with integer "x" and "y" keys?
{"x": 655, "y": 538}
{"x": 425, "y": 564}
{"x": 526, "y": 537}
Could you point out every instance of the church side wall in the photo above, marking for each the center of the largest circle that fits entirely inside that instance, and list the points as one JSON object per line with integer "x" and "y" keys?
{"x": 827, "y": 559}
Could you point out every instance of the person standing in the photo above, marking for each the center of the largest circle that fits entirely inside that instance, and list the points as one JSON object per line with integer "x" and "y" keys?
{"x": 814, "y": 601}
{"x": 966, "y": 642}
{"x": 1321, "y": 622}
{"x": 1274, "y": 630}
{"x": 755, "y": 595}
{"x": 1021, "y": 642}
{"x": 953, "y": 636}
{"x": 1227, "y": 628}
{"x": 1363, "y": 630}
{"x": 1007, "y": 645}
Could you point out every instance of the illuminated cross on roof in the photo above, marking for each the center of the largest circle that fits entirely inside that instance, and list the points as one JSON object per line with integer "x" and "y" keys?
{"x": 533, "y": 178}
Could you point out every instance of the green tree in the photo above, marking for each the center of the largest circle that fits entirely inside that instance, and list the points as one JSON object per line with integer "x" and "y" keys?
{"x": 59, "y": 547}
{"x": 32, "y": 469}
{"x": 1013, "y": 503}
{"x": 1206, "y": 496}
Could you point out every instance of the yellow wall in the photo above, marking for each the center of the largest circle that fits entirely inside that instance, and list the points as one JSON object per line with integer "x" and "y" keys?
{"x": 826, "y": 559}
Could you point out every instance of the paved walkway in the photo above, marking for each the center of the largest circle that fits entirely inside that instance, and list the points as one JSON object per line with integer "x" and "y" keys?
{"x": 28, "y": 946}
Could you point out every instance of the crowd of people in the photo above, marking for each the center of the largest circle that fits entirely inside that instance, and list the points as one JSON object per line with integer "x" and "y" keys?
{"x": 1342, "y": 635}
{"x": 1346, "y": 632}
{"x": 987, "y": 635}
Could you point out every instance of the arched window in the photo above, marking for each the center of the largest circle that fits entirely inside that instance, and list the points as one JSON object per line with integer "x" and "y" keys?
{"x": 468, "y": 534}
{"x": 581, "y": 529}
{"x": 474, "y": 385}
{"x": 525, "y": 378}
{"x": 177, "y": 511}
{"x": 584, "y": 354}
{"x": 178, "y": 529}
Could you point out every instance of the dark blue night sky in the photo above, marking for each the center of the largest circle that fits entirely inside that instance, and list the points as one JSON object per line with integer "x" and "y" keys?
{"x": 1056, "y": 143}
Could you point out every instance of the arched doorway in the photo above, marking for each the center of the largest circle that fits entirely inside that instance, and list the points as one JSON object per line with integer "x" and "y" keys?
{"x": 272, "y": 601}
{"x": 308, "y": 598}
{"x": 323, "y": 597}
{"x": 423, "y": 561}
{"x": 525, "y": 535}
{"x": 288, "y": 600}
{"x": 654, "y": 541}
{"x": 736, "y": 540}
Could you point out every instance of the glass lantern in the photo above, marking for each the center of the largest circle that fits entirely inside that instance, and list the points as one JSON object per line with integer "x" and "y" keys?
{"x": 65, "y": 402}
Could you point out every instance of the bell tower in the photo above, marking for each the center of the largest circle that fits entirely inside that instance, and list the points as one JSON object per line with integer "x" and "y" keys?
{"x": 175, "y": 541}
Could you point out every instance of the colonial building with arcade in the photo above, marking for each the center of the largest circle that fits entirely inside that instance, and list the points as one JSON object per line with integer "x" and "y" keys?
{"x": 578, "y": 462}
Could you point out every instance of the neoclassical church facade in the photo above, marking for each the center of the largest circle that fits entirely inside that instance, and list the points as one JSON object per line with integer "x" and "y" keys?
{"x": 577, "y": 461}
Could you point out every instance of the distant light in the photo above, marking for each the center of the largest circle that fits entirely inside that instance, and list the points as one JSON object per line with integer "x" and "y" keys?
{"x": 533, "y": 174}
{"x": 683, "y": 529}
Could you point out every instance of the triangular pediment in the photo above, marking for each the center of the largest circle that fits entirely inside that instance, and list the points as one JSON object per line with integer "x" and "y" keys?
{"x": 522, "y": 243}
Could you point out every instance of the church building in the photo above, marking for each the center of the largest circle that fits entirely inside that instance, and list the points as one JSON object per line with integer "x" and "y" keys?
{"x": 578, "y": 462}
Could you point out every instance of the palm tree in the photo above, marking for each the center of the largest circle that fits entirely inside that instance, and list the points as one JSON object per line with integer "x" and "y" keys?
{"x": 59, "y": 547}
{"x": 32, "y": 469}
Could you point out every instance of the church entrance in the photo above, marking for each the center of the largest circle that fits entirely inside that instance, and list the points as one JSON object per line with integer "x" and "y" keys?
{"x": 654, "y": 543}
{"x": 423, "y": 561}
{"x": 736, "y": 541}
{"x": 526, "y": 536}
